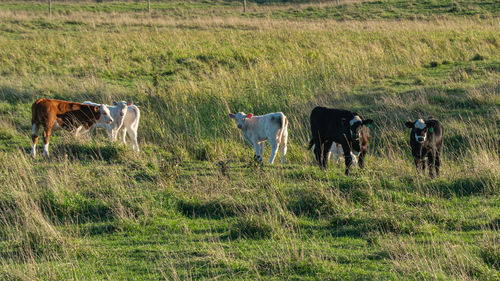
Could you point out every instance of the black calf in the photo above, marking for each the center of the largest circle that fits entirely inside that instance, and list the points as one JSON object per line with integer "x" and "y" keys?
{"x": 345, "y": 127}
{"x": 426, "y": 140}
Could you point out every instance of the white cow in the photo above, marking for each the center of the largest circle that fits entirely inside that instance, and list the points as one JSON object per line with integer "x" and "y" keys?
{"x": 126, "y": 116}
{"x": 337, "y": 150}
{"x": 257, "y": 129}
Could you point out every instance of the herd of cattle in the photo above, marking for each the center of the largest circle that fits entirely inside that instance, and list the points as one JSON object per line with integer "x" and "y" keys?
{"x": 332, "y": 130}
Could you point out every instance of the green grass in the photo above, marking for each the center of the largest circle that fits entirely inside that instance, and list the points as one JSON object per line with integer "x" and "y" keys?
{"x": 97, "y": 211}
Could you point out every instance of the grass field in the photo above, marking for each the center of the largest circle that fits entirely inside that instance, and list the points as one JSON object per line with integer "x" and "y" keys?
{"x": 95, "y": 211}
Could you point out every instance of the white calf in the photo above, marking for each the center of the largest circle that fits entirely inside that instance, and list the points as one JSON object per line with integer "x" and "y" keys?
{"x": 130, "y": 125}
{"x": 126, "y": 116}
{"x": 339, "y": 153}
{"x": 257, "y": 129}
{"x": 118, "y": 112}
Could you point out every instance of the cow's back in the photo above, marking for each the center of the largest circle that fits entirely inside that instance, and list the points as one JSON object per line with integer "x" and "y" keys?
{"x": 437, "y": 136}
{"x": 133, "y": 113}
{"x": 69, "y": 114}
{"x": 327, "y": 122}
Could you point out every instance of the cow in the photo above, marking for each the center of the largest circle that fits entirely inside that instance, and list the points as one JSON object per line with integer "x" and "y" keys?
{"x": 338, "y": 152}
{"x": 118, "y": 112}
{"x": 257, "y": 129}
{"x": 426, "y": 140}
{"x": 347, "y": 128}
{"x": 126, "y": 116}
{"x": 71, "y": 116}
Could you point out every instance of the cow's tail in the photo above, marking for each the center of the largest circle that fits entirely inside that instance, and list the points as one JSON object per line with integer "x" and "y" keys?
{"x": 34, "y": 112}
{"x": 135, "y": 125}
{"x": 283, "y": 125}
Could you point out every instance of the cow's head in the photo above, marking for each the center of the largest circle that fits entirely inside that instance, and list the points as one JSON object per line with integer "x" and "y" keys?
{"x": 122, "y": 108}
{"x": 355, "y": 126}
{"x": 105, "y": 116}
{"x": 240, "y": 118}
{"x": 420, "y": 128}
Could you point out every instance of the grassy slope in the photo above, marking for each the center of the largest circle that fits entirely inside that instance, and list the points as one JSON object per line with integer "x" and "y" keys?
{"x": 95, "y": 211}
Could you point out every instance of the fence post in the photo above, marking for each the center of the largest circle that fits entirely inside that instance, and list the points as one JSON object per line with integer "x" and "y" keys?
{"x": 149, "y": 10}
{"x": 50, "y": 8}
{"x": 244, "y": 6}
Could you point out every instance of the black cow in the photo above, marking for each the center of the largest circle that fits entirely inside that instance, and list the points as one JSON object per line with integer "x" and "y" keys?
{"x": 345, "y": 127}
{"x": 426, "y": 140}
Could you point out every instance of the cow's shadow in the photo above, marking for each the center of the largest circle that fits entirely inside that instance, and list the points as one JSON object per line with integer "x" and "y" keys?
{"x": 88, "y": 152}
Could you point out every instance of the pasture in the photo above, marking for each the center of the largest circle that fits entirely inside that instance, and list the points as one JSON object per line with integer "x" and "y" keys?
{"x": 95, "y": 211}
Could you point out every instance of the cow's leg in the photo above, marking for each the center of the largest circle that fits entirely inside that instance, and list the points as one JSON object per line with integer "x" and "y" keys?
{"x": 354, "y": 157}
{"x": 333, "y": 150}
{"x": 337, "y": 151}
{"x": 347, "y": 158}
{"x": 274, "y": 148}
{"x": 361, "y": 159}
{"x": 437, "y": 164}
{"x": 46, "y": 136}
{"x": 116, "y": 132}
{"x": 284, "y": 140}
{"x": 91, "y": 130}
{"x": 261, "y": 148}
{"x": 419, "y": 165}
{"x": 109, "y": 129}
{"x": 82, "y": 130}
{"x": 113, "y": 135}
{"x": 34, "y": 138}
{"x": 256, "y": 147}
{"x": 431, "y": 163}
{"x": 123, "y": 132}
{"x": 132, "y": 134}
{"x": 327, "y": 145}
{"x": 317, "y": 151}
{"x": 77, "y": 131}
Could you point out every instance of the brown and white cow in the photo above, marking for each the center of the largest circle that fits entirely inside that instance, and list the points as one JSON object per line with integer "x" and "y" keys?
{"x": 53, "y": 114}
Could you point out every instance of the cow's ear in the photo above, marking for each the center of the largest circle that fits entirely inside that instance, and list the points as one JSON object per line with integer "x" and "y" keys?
{"x": 231, "y": 115}
{"x": 431, "y": 129}
{"x": 114, "y": 102}
{"x": 130, "y": 103}
{"x": 409, "y": 124}
{"x": 367, "y": 122}
{"x": 249, "y": 115}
